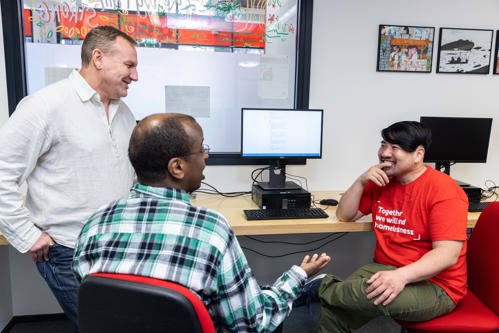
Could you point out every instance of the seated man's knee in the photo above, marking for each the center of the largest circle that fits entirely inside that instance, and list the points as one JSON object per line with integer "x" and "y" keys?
{"x": 344, "y": 294}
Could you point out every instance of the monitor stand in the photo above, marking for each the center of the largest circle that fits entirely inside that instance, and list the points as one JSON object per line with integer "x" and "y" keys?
{"x": 444, "y": 166}
{"x": 277, "y": 179}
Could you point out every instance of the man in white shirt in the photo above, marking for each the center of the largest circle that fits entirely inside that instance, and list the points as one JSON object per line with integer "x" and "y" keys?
{"x": 69, "y": 142}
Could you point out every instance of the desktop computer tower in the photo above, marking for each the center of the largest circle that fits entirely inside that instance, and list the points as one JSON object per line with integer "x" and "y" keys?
{"x": 280, "y": 199}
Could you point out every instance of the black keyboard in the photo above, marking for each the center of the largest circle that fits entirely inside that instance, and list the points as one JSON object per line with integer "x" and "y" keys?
{"x": 279, "y": 214}
{"x": 477, "y": 206}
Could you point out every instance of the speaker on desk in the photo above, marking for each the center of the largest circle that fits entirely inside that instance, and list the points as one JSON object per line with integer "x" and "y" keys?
{"x": 473, "y": 193}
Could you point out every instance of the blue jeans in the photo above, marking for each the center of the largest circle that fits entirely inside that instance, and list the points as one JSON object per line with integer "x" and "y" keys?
{"x": 58, "y": 274}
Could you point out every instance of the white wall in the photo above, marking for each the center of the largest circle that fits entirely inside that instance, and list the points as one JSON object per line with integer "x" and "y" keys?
{"x": 358, "y": 103}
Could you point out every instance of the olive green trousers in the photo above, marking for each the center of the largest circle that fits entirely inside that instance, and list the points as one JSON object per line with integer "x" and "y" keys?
{"x": 344, "y": 304}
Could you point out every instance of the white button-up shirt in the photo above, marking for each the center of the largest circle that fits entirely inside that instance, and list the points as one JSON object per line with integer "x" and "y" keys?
{"x": 73, "y": 160}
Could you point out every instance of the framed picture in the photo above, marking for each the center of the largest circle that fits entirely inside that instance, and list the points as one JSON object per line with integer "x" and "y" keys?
{"x": 496, "y": 55}
{"x": 465, "y": 51}
{"x": 405, "y": 48}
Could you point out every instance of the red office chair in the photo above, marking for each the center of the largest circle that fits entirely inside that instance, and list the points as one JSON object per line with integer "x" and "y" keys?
{"x": 479, "y": 310}
{"x": 129, "y": 304}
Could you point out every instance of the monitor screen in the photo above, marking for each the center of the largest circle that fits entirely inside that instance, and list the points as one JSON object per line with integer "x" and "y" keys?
{"x": 456, "y": 139}
{"x": 281, "y": 133}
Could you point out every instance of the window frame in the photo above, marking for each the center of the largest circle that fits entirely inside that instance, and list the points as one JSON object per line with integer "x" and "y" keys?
{"x": 12, "y": 21}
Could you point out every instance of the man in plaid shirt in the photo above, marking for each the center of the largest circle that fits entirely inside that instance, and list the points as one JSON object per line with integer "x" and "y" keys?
{"x": 157, "y": 232}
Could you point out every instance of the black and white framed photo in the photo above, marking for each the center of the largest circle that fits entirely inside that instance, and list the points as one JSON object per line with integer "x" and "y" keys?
{"x": 465, "y": 51}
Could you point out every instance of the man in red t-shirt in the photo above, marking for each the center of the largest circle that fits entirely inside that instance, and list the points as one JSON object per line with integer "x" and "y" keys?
{"x": 420, "y": 220}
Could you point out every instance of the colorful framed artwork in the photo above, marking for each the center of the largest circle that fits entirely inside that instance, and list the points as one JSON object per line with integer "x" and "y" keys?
{"x": 405, "y": 48}
{"x": 496, "y": 55}
{"x": 464, "y": 51}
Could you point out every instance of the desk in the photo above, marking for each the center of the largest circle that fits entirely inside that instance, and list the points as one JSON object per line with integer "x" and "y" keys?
{"x": 232, "y": 209}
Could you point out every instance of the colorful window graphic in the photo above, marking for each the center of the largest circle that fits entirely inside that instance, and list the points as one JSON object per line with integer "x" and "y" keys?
{"x": 72, "y": 24}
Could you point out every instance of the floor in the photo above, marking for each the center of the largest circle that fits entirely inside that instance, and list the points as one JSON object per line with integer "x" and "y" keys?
{"x": 45, "y": 326}
{"x": 301, "y": 320}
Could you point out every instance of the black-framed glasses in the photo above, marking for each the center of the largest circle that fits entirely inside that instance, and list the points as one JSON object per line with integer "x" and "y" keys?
{"x": 204, "y": 149}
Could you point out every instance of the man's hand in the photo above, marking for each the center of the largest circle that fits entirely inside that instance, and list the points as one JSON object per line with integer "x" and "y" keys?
{"x": 376, "y": 174}
{"x": 312, "y": 265}
{"x": 40, "y": 250}
{"x": 385, "y": 286}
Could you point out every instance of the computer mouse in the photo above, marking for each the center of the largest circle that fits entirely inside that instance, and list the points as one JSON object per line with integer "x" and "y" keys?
{"x": 329, "y": 202}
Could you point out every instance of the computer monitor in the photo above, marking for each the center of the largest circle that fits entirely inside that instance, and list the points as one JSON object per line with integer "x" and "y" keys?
{"x": 457, "y": 140}
{"x": 277, "y": 135}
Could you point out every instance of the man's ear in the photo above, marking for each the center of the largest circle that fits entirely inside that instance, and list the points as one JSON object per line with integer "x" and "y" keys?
{"x": 97, "y": 56}
{"x": 176, "y": 167}
{"x": 420, "y": 151}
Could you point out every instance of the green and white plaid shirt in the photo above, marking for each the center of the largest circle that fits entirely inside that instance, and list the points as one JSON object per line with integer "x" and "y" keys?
{"x": 157, "y": 232}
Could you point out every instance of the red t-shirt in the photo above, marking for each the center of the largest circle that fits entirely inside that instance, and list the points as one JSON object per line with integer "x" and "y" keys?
{"x": 408, "y": 218}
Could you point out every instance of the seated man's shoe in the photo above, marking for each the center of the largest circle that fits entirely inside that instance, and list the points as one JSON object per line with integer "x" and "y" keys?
{"x": 310, "y": 292}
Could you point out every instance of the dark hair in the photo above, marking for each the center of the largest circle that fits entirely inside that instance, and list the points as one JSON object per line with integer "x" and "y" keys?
{"x": 153, "y": 145}
{"x": 408, "y": 135}
{"x": 101, "y": 37}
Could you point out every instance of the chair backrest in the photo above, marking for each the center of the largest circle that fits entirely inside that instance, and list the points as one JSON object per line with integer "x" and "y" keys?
{"x": 128, "y": 303}
{"x": 483, "y": 257}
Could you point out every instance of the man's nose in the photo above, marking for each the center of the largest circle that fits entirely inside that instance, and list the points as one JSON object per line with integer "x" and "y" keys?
{"x": 134, "y": 75}
{"x": 385, "y": 151}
